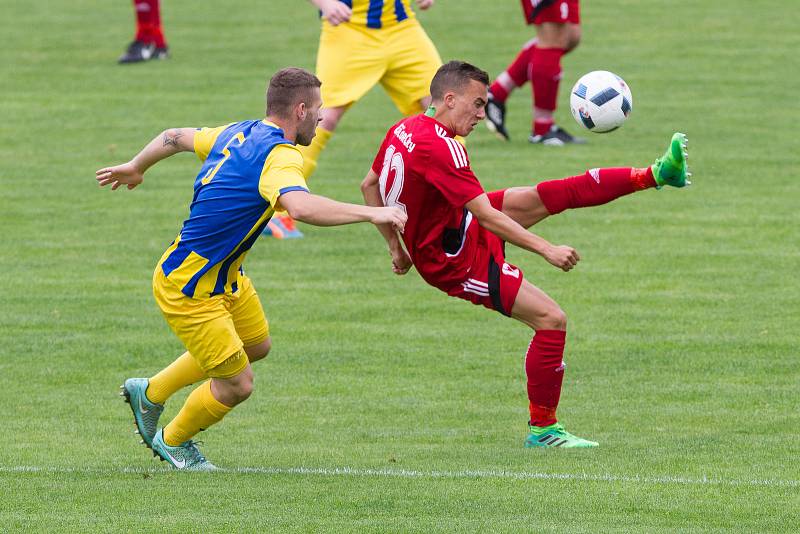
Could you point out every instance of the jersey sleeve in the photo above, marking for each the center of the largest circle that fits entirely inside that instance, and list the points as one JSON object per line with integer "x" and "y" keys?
{"x": 282, "y": 173}
{"x": 449, "y": 171}
{"x": 204, "y": 139}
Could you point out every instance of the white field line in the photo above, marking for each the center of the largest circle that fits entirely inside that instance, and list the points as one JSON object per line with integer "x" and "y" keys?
{"x": 404, "y": 473}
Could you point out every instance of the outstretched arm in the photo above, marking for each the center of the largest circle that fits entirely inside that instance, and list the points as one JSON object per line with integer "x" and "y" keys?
{"x": 164, "y": 145}
{"x": 401, "y": 262}
{"x": 507, "y": 229}
{"x": 322, "y": 211}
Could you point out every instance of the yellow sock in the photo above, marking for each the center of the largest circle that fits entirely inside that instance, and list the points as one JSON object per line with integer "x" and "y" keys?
{"x": 200, "y": 411}
{"x": 178, "y": 374}
{"x": 311, "y": 152}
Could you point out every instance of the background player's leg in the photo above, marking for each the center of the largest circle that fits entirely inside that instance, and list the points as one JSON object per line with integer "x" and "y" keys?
{"x": 330, "y": 119}
{"x": 545, "y": 72}
{"x": 544, "y": 367}
{"x": 517, "y": 73}
{"x": 149, "y": 42}
{"x": 554, "y": 40}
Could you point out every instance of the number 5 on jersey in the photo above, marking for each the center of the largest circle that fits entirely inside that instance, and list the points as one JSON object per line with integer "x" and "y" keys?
{"x": 392, "y": 161}
{"x": 210, "y": 176}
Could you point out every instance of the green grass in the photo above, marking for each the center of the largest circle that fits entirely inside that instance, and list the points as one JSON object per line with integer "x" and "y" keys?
{"x": 683, "y": 333}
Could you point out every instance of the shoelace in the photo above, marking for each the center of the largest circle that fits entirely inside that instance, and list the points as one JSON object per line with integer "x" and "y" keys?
{"x": 192, "y": 446}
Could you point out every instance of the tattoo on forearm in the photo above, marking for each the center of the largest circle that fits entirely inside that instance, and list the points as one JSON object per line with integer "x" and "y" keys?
{"x": 171, "y": 137}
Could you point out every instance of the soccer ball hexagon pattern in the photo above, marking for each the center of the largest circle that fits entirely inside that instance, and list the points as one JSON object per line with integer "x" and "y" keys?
{"x": 601, "y": 101}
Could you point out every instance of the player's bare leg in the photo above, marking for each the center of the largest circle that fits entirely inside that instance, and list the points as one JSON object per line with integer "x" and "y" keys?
{"x": 544, "y": 367}
{"x": 524, "y": 205}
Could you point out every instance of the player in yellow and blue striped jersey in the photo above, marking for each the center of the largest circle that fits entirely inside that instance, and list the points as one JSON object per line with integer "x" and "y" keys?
{"x": 250, "y": 169}
{"x": 364, "y": 42}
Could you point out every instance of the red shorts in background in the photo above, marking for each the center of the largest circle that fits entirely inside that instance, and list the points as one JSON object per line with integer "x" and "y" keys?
{"x": 560, "y": 11}
{"x": 492, "y": 282}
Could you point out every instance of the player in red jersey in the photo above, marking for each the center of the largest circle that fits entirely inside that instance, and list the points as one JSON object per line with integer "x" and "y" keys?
{"x": 456, "y": 232}
{"x": 558, "y": 32}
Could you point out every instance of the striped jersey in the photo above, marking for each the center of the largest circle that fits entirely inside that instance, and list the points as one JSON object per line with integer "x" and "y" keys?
{"x": 425, "y": 171}
{"x": 246, "y": 167}
{"x": 379, "y": 13}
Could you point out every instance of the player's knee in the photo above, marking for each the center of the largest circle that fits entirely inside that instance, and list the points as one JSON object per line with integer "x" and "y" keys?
{"x": 243, "y": 387}
{"x": 554, "y": 318}
{"x": 245, "y": 390}
{"x": 573, "y": 39}
{"x": 259, "y": 351}
{"x": 331, "y": 117}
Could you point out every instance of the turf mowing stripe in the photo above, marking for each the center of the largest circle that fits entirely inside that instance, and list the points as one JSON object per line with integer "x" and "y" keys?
{"x": 404, "y": 473}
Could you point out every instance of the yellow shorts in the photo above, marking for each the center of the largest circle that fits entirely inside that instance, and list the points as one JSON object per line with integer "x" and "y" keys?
{"x": 214, "y": 329}
{"x": 352, "y": 59}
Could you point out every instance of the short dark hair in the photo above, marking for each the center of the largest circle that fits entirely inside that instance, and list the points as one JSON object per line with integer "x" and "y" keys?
{"x": 287, "y": 88}
{"x": 453, "y": 76}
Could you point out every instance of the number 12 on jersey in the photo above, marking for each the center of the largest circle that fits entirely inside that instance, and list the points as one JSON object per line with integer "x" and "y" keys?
{"x": 392, "y": 161}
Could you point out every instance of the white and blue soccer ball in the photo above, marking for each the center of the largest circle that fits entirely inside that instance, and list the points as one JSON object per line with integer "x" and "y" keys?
{"x": 601, "y": 101}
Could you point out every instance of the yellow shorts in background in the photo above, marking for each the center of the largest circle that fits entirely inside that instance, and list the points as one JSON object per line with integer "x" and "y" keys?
{"x": 352, "y": 59}
{"x": 216, "y": 328}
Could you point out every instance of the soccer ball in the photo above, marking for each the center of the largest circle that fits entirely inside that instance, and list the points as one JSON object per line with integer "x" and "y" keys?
{"x": 601, "y": 101}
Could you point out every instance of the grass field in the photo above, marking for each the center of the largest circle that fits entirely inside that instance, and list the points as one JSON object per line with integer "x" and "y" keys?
{"x": 385, "y": 406}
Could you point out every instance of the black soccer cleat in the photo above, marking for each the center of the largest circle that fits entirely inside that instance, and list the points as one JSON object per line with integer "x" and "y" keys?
{"x": 160, "y": 52}
{"x": 139, "y": 51}
{"x": 556, "y": 136}
{"x": 496, "y": 117}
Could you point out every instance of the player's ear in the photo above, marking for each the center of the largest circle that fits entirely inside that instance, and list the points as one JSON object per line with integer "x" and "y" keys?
{"x": 450, "y": 100}
{"x": 301, "y": 111}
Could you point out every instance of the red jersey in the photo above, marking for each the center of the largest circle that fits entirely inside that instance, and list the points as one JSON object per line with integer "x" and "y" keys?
{"x": 426, "y": 172}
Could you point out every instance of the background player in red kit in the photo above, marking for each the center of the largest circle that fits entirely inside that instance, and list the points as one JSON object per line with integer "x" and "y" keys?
{"x": 455, "y": 232}
{"x": 558, "y": 32}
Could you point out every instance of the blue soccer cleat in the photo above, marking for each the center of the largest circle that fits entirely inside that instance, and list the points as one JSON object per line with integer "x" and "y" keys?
{"x": 185, "y": 456}
{"x": 145, "y": 413}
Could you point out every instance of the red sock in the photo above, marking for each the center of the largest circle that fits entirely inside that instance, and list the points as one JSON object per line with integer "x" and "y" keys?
{"x": 515, "y": 75}
{"x": 148, "y": 22}
{"x": 542, "y": 126}
{"x": 545, "y": 72}
{"x": 544, "y": 367}
{"x": 593, "y": 188}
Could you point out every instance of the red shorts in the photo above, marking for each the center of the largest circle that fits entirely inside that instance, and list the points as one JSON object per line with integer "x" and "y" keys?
{"x": 560, "y": 11}
{"x": 491, "y": 282}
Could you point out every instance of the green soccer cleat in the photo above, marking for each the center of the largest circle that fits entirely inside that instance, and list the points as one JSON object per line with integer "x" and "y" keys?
{"x": 185, "y": 456}
{"x": 553, "y": 436}
{"x": 145, "y": 413}
{"x": 672, "y": 168}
